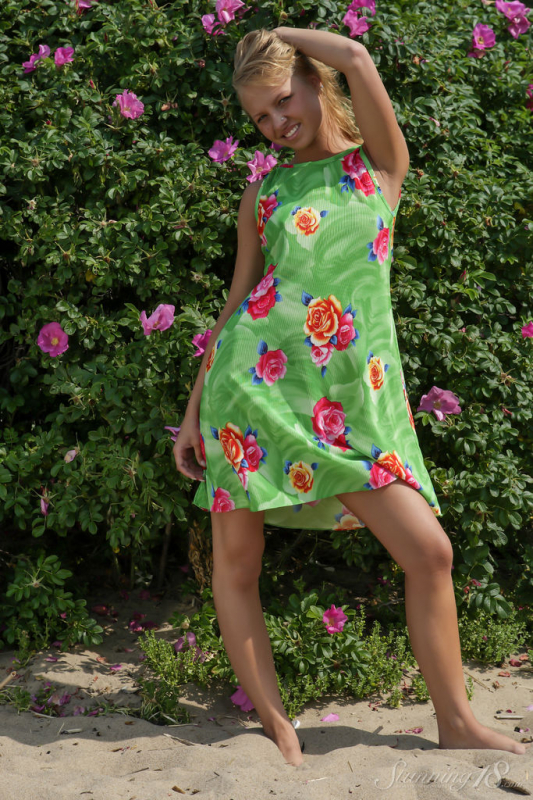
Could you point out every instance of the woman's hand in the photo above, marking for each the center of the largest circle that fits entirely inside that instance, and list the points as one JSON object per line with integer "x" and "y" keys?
{"x": 187, "y": 449}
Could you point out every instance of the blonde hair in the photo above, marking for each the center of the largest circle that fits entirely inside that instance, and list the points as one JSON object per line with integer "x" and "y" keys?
{"x": 262, "y": 58}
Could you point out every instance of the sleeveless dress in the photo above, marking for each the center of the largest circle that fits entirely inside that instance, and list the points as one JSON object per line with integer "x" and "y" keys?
{"x": 304, "y": 395}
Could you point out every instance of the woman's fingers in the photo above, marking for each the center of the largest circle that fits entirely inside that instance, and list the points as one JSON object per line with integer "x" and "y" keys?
{"x": 186, "y": 464}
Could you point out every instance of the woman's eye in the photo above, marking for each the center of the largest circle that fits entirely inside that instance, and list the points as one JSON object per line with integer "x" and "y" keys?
{"x": 281, "y": 101}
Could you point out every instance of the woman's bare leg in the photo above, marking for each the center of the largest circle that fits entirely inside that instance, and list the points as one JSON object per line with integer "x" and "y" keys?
{"x": 238, "y": 545}
{"x": 404, "y": 523}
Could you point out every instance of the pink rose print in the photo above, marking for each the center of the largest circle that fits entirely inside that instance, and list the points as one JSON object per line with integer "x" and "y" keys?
{"x": 266, "y": 207}
{"x": 222, "y": 500}
{"x": 357, "y": 175}
{"x": 270, "y": 367}
{"x": 321, "y": 355}
{"x": 263, "y": 297}
{"x": 345, "y": 332}
{"x": 264, "y": 284}
{"x": 379, "y": 248}
{"x": 380, "y": 476}
{"x": 253, "y": 453}
{"x": 328, "y": 424}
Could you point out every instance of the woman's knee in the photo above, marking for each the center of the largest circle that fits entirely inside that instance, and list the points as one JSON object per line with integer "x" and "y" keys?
{"x": 434, "y": 556}
{"x": 238, "y": 546}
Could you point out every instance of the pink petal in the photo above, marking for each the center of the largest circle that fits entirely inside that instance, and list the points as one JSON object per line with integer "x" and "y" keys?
{"x": 330, "y": 718}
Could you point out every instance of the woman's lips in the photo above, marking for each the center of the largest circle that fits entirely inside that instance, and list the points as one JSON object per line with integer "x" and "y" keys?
{"x": 294, "y": 134}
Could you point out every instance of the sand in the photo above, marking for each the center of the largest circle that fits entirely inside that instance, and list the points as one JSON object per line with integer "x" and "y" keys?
{"x": 370, "y": 752}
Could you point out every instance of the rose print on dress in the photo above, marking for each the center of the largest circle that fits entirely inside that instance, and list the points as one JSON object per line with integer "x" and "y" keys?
{"x": 263, "y": 297}
{"x": 243, "y": 452}
{"x": 265, "y": 208}
{"x": 346, "y": 520}
{"x": 379, "y": 248}
{"x": 211, "y": 358}
{"x": 357, "y": 177}
{"x": 307, "y": 220}
{"x": 295, "y": 404}
{"x": 221, "y": 500}
{"x": 328, "y": 327}
{"x": 270, "y": 367}
{"x": 376, "y": 370}
{"x": 328, "y": 424}
{"x": 300, "y": 475}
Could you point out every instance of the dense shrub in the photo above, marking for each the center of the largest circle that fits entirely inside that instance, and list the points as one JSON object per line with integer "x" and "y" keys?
{"x": 104, "y": 216}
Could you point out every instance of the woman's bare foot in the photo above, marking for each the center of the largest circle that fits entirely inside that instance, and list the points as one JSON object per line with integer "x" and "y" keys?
{"x": 286, "y": 739}
{"x": 479, "y": 738}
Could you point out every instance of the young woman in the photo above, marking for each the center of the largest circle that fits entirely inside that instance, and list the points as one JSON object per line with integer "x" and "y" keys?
{"x": 299, "y": 412}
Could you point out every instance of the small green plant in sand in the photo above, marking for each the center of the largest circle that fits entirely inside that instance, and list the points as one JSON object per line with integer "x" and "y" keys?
{"x": 319, "y": 649}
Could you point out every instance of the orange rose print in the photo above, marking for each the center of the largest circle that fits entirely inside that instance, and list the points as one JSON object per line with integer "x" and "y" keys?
{"x": 232, "y": 442}
{"x": 307, "y": 220}
{"x": 322, "y": 319}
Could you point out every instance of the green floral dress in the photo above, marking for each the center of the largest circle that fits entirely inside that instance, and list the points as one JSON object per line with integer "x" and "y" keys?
{"x": 304, "y": 396}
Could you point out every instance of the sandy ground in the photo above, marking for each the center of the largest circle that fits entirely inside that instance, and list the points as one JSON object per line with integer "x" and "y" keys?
{"x": 371, "y": 752}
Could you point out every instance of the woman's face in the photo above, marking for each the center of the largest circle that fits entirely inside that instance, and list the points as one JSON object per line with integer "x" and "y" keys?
{"x": 276, "y": 110}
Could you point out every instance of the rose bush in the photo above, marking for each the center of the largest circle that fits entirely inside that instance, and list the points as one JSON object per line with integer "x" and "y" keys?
{"x": 123, "y": 158}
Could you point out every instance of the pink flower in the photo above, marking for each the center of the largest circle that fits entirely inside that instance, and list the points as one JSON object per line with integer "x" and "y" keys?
{"x": 63, "y": 55}
{"x": 175, "y": 432}
{"x": 221, "y": 151}
{"x": 260, "y": 166}
{"x": 482, "y": 37}
{"x": 81, "y": 4}
{"x": 222, "y": 500}
{"x": 52, "y": 339}
{"x": 321, "y": 354}
{"x": 191, "y": 642}
{"x": 328, "y": 421}
{"x": 330, "y": 718}
{"x": 240, "y": 698}
{"x": 226, "y": 9}
{"x": 130, "y": 106}
{"x": 71, "y": 455}
{"x": 161, "y": 319}
{"x": 44, "y": 506}
{"x": 44, "y": 52}
{"x": 208, "y": 21}
{"x": 334, "y": 619}
{"x": 355, "y": 5}
{"x": 271, "y": 366}
{"x": 253, "y": 453}
{"x": 380, "y": 476}
{"x": 200, "y": 341}
{"x": 264, "y": 284}
{"x": 440, "y": 401}
{"x": 115, "y": 667}
{"x": 78, "y": 710}
{"x": 527, "y": 330}
{"x": 517, "y": 13}
{"x": 357, "y": 25}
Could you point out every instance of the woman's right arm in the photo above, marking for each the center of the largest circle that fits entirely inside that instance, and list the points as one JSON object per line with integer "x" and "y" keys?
{"x": 249, "y": 270}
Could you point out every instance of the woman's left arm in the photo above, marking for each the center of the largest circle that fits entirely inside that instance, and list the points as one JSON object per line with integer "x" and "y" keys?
{"x": 332, "y": 49}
